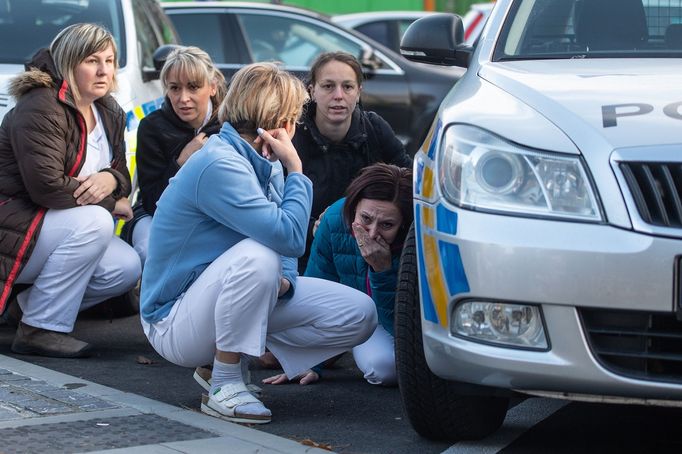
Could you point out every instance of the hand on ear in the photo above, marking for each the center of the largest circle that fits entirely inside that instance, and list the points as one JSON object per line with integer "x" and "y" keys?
{"x": 290, "y": 127}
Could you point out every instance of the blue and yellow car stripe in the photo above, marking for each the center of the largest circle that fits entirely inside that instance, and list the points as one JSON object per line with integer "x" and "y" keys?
{"x": 133, "y": 118}
{"x": 441, "y": 271}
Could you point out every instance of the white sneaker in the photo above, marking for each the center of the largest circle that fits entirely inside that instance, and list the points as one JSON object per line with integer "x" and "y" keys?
{"x": 224, "y": 403}
{"x": 202, "y": 375}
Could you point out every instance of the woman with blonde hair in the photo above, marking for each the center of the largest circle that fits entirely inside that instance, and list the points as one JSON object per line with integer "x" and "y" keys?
{"x": 167, "y": 137}
{"x": 220, "y": 279}
{"x": 63, "y": 178}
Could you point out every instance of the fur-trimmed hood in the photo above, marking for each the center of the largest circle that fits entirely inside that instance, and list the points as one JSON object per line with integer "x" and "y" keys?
{"x": 40, "y": 73}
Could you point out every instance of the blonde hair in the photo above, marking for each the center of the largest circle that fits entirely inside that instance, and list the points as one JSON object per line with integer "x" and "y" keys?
{"x": 262, "y": 95}
{"x": 199, "y": 69}
{"x": 76, "y": 43}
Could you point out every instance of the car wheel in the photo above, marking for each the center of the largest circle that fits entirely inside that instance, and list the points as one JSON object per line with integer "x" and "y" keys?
{"x": 436, "y": 408}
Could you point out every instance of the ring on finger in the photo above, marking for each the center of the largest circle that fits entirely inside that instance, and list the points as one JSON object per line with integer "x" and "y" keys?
{"x": 360, "y": 244}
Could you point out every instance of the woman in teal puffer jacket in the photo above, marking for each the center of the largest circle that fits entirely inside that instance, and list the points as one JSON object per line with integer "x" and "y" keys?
{"x": 358, "y": 243}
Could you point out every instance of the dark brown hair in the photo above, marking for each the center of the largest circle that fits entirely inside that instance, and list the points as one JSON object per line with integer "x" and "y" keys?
{"x": 385, "y": 182}
{"x": 343, "y": 57}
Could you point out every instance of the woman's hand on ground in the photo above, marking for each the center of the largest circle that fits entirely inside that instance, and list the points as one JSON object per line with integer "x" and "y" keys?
{"x": 277, "y": 145}
{"x": 192, "y": 147}
{"x": 123, "y": 210}
{"x": 376, "y": 252}
{"x": 94, "y": 188}
{"x": 306, "y": 378}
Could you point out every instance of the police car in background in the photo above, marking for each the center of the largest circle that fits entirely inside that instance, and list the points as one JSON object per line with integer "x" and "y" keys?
{"x": 546, "y": 252}
{"x": 139, "y": 28}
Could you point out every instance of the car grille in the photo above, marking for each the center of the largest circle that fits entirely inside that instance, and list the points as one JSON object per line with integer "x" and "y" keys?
{"x": 641, "y": 345}
{"x": 656, "y": 188}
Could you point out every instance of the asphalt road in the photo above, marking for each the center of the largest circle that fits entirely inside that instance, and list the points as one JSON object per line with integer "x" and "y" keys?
{"x": 341, "y": 411}
{"x": 350, "y": 416}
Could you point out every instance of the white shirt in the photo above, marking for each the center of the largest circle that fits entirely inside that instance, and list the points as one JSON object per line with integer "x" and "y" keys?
{"x": 98, "y": 155}
{"x": 209, "y": 111}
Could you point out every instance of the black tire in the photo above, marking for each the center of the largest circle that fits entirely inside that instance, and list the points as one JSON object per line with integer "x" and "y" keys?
{"x": 436, "y": 408}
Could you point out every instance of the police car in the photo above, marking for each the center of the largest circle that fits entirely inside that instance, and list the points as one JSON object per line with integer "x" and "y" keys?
{"x": 139, "y": 28}
{"x": 546, "y": 253}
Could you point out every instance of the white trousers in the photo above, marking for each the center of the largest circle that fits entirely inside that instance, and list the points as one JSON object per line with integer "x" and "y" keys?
{"x": 77, "y": 262}
{"x": 141, "y": 237}
{"x": 376, "y": 358}
{"x": 233, "y": 307}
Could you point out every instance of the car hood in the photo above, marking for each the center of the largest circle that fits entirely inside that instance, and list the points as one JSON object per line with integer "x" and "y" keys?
{"x": 624, "y": 102}
{"x": 7, "y": 72}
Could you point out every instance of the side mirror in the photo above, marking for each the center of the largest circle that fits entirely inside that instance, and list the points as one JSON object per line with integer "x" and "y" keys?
{"x": 437, "y": 39}
{"x": 159, "y": 57}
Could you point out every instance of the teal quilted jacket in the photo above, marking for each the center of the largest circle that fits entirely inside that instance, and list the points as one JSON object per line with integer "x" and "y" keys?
{"x": 335, "y": 256}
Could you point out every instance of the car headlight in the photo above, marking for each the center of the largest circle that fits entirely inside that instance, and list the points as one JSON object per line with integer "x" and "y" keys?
{"x": 480, "y": 170}
{"x": 504, "y": 324}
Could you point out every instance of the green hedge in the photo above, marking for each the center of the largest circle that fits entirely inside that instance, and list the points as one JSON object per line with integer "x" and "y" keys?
{"x": 355, "y": 6}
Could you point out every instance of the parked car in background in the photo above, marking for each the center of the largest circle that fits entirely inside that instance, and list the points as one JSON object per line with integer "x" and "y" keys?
{"x": 388, "y": 27}
{"x": 474, "y": 21}
{"x": 546, "y": 253}
{"x": 139, "y": 28}
{"x": 385, "y": 27}
{"x": 405, "y": 93}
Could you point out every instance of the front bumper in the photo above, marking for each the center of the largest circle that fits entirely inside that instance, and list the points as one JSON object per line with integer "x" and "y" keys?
{"x": 564, "y": 267}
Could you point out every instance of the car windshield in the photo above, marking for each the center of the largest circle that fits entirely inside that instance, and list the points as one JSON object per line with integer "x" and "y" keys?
{"x": 539, "y": 29}
{"x": 28, "y": 25}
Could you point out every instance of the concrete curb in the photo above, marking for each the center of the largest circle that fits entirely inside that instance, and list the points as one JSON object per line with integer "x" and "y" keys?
{"x": 229, "y": 436}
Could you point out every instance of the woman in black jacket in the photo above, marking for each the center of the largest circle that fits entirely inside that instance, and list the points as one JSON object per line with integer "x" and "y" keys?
{"x": 167, "y": 137}
{"x": 337, "y": 137}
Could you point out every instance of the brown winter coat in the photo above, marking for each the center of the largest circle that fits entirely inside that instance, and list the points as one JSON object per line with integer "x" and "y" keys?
{"x": 43, "y": 141}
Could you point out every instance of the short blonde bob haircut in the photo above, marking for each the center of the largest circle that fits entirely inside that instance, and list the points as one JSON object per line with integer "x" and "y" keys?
{"x": 76, "y": 43}
{"x": 195, "y": 65}
{"x": 262, "y": 95}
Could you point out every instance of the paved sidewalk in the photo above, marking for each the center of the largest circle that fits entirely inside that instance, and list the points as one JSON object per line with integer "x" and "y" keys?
{"x": 46, "y": 411}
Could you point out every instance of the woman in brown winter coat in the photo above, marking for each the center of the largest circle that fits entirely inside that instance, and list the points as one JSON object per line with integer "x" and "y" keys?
{"x": 63, "y": 180}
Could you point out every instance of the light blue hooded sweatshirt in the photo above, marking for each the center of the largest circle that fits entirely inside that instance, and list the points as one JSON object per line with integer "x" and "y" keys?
{"x": 224, "y": 193}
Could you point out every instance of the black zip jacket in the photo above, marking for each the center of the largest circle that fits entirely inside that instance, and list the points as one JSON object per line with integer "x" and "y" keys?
{"x": 332, "y": 166}
{"x": 161, "y": 137}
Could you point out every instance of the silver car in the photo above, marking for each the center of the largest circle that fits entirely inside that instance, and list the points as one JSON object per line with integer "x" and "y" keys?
{"x": 546, "y": 254}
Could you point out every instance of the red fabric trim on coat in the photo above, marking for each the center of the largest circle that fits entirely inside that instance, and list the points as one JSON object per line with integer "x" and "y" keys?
{"x": 62, "y": 91}
{"x": 41, "y": 211}
{"x": 22, "y": 250}
{"x": 81, "y": 145}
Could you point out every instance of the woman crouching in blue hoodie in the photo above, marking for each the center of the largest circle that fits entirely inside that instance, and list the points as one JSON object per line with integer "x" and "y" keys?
{"x": 220, "y": 277}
